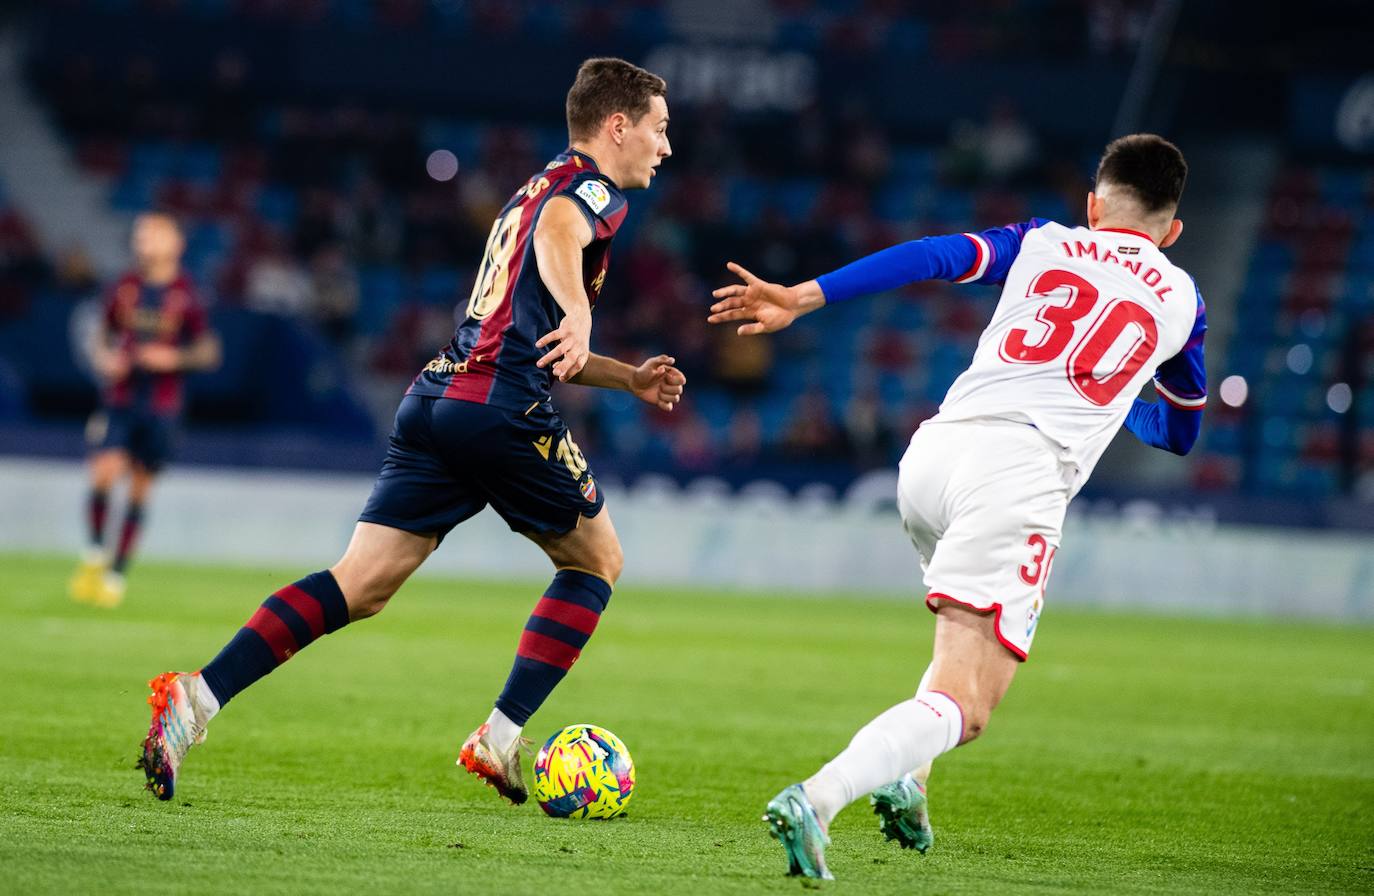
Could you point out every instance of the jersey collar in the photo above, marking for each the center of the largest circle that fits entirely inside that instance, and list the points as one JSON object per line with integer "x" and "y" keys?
{"x": 1143, "y": 236}
{"x": 586, "y": 158}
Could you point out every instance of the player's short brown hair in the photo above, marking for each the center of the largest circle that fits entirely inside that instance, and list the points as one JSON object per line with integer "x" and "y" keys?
{"x": 1150, "y": 167}
{"x": 159, "y": 214}
{"x": 605, "y": 86}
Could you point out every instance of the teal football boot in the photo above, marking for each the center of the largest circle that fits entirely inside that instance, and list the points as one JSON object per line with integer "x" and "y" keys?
{"x": 793, "y": 822}
{"x": 902, "y": 813}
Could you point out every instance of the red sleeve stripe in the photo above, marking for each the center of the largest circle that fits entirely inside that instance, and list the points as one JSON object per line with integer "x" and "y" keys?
{"x": 1186, "y": 404}
{"x": 980, "y": 262}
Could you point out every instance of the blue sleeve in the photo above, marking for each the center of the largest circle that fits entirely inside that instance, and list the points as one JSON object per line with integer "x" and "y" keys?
{"x": 1173, "y": 423}
{"x": 960, "y": 258}
{"x": 1182, "y": 380}
{"x": 1161, "y": 425}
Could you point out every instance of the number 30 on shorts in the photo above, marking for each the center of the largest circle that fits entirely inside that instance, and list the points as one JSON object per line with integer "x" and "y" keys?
{"x": 1037, "y": 571}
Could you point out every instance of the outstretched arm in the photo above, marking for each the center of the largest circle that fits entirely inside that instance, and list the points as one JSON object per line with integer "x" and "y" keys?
{"x": 960, "y": 258}
{"x": 656, "y": 381}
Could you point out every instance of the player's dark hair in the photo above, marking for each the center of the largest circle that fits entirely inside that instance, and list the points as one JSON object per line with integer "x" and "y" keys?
{"x": 605, "y": 86}
{"x": 1147, "y": 165}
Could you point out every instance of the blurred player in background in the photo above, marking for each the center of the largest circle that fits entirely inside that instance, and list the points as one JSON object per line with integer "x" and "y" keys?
{"x": 1087, "y": 315}
{"x": 152, "y": 332}
{"x": 477, "y": 427}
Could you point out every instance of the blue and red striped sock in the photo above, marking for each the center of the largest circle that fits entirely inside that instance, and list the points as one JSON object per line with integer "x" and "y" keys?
{"x": 563, "y": 620}
{"x": 283, "y": 626}
{"x": 96, "y": 508}
{"x": 128, "y": 537}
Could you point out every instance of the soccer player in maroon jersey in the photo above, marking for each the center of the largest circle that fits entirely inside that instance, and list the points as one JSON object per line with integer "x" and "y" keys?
{"x": 153, "y": 331}
{"x": 477, "y": 427}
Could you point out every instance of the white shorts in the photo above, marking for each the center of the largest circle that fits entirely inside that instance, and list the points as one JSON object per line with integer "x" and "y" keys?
{"x": 984, "y": 501}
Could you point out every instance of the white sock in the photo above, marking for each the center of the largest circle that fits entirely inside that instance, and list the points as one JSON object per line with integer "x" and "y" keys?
{"x": 502, "y": 732}
{"x": 204, "y": 699}
{"x": 904, "y": 737}
{"x": 922, "y": 774}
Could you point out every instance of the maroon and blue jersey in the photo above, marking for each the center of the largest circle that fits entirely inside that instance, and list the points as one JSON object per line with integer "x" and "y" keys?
{"x": 138, "y": 313}
{"x": 491, "y": 358}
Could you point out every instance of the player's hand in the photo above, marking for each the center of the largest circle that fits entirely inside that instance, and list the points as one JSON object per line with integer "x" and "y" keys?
{"x": 157, "y": 358}
{"x": 658, "y": 382}
{"x": 768, "y": 307}
{"x": 112, "y": 365}
{"x": 574, "y": 337}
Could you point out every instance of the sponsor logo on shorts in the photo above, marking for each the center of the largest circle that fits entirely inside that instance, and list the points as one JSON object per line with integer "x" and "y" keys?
{"x": 595, "y": 194}
{"x": 588, "y": 489}
{"x": 1032, "y": 617}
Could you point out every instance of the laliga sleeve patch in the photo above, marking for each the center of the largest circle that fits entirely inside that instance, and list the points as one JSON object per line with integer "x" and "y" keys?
{"x": 595, "y": 194}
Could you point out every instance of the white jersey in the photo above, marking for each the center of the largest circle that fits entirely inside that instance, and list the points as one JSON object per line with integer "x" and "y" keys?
{"x": 1085, "y": 319}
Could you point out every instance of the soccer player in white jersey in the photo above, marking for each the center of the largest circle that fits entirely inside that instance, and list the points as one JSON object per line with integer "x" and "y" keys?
{"x": 1087, "y": 316}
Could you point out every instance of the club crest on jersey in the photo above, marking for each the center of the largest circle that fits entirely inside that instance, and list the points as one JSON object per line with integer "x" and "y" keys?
{"x": 588, "y": 489}
{"x": 595, "y": 194}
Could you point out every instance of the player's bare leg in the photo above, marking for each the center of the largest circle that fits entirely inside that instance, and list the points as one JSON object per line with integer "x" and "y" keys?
{"x": 377, "y": 562}
{"x": 970, "y": 673}
{"x": 588, "y": 560}
{"x": 106, "y": 469}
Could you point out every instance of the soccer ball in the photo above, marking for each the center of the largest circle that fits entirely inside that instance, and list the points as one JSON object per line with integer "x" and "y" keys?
{"x": 583, "y": 771}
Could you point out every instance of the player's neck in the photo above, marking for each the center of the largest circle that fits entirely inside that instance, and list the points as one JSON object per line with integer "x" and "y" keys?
{"x": 159, "y": 274}
{"x": 604, "y": 160}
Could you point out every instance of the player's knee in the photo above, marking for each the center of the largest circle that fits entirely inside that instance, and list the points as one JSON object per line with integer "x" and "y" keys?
{"x": 602, "y": 557}
{"x": 364, "y": 595}
{"x": 974, "y": 710}
{"x": 612, "y": 561}
{"x": 975, "y": 721}
{"x": 365, "y": 605}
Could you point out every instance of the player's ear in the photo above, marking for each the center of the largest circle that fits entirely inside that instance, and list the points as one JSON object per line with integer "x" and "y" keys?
{"x": 620, "y": 123}
{"x": 1094, "y": 210}
{"x": 1175, "y": 231}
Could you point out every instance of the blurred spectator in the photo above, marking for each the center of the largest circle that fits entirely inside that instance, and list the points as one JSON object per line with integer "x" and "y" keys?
{"x": 869, "y": 437}
{"x": 75, "y": 273}
{"x": 278, "y": 284}
{"x": 811, "y": 433}
{"x": 744, "y": 440}
{"x": 334, "y": 285}
{"x": 1002, "y": 150}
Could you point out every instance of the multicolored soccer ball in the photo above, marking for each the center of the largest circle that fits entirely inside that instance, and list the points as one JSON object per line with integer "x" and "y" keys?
{"x": 584, "y": 771}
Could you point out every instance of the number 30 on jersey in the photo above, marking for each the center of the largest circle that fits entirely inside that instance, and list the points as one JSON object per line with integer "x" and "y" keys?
{"x": 1089, "y": 354}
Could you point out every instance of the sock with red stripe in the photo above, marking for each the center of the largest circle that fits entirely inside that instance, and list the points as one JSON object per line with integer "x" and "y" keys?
{"x": 284, "y": 624}
{"x": 554, "y": 636}
{"x": 96, "y": 508}
{"x": 128, "y": 536}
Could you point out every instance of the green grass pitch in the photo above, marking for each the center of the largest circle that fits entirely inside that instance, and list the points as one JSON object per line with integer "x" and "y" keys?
{"x": 1133, "y": 755}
